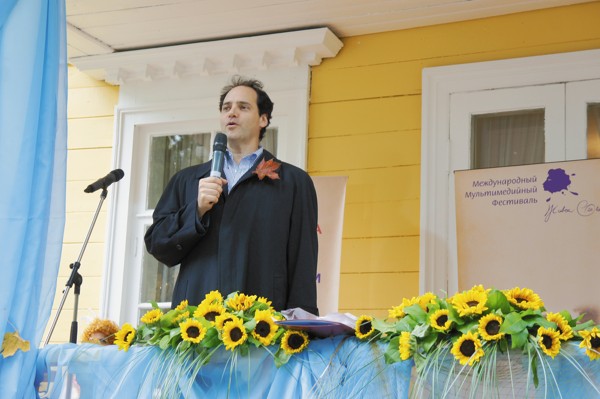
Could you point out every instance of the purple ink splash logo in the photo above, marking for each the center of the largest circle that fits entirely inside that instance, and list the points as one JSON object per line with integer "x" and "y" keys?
{"x": 558, "y": 181}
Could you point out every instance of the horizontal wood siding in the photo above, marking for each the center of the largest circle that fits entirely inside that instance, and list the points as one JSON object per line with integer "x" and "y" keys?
{"x": 365, "y": 123}
{"x": 90, "y": 108}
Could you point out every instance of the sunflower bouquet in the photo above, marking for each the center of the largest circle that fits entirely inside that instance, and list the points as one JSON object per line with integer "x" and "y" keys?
{"x": 470, "y": 329}
{"x": 189, "y": 335}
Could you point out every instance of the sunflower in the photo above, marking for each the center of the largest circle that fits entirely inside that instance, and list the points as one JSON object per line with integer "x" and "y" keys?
{"x": 549, "y": 341}
{"x": 265, "y": 328}
{"x": 364, "y": 329}
{"x": 125, "y": 336}
{"x": 209, "y": 311}
{"x": 439, "y": 320}
{"x": 294, "y": 341}
{"x": 562, "y": 325}
{"x": 524, "y": 298}
{"x": 426, "y": 299}
{"x": 470, "y": 302}
{"x": 192, "y": 330}
{"x": 467, "y": 349}
{"x": 404, "y": 345}
{"x": 397, "y": 312}
{"x": 234, "y": 333}
{"x": 182, "y": 305}
{"x": 182, "y": 316}
{"x": 591, "y": 343}
{"x": 223, "y": 318}
{"x": 212, "y": 297}
{"x": 100, "y": 331}
{"x": 489, "y": 327}
{"x": 151, "y": 316}
{"x": 241, "y": 301}
{"x": 262, "y": 299}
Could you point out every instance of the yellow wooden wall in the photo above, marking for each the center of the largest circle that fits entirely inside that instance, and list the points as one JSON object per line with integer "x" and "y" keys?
{"x": 90, "y": 138}
{"x": 365, "y": 123}
{"x": 365, "y": 120}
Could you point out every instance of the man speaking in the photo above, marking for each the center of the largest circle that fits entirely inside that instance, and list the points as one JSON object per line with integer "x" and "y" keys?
{"x": 251, "y": 227}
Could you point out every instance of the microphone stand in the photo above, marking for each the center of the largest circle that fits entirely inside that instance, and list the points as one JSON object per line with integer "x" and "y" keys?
{"x": 76, "y": 279}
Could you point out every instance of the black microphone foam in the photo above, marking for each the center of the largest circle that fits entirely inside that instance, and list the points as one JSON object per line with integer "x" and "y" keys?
{"x": 219, "y": 148}
{"x": 105, "y": 181}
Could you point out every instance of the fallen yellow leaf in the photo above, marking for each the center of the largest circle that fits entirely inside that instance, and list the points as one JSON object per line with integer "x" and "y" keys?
{"x": 13, "y": 342}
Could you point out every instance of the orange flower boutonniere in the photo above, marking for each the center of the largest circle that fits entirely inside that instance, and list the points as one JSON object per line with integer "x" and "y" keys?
{"x": 267, "y": 169}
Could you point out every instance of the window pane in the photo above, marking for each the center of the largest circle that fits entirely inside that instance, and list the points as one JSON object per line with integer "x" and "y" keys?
{"x": 508, "y": 138}
{"x": 170, "y": 154}
{"x": 269, "y": 142}
{"x": 593, "y": 131}
{"x": 158, "y": 280}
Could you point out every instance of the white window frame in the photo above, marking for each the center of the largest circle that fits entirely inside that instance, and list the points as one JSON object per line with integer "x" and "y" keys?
{"x": 438, "y": 261}
{"x": 178, "y": 88}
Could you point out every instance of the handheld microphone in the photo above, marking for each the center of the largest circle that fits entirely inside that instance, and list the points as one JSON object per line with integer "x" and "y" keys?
{"x": 219, "y": 147}
{"x": 105, "y": 181}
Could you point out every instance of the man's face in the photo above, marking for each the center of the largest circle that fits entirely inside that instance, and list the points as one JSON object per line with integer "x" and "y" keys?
{"x": 240, "y": 120}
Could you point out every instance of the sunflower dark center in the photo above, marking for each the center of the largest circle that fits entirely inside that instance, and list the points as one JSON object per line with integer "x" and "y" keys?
{"x": 467, "y": 348}
{"x": 365, "y": 327}
{"x": 211, "y": 316}
{"x": 127, "y": 336}
{"x": 472, "y": 303}
{"x": 595, "y": 342}
{"x": 492, "y": 327}
{"x": 295, "y": 341}
{"x": 262, "y": 328}
{"x": 236, "y": 334}
{"x": 547, "y": 341}
{"x": 193, "y": 332}
{"x": 441, "y": 321}
{"x": 521, "y": 300}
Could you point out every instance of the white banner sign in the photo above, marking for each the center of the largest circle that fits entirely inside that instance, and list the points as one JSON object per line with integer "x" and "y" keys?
{"x": 331, "y": 194}
{"x": 534, "y": 226}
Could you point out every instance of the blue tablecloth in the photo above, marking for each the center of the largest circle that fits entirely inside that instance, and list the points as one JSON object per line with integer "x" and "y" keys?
{"x": 338, "y": 367}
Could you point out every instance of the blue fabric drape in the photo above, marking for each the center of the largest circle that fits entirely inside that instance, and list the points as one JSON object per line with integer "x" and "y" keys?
{"x": 33, "y": 98}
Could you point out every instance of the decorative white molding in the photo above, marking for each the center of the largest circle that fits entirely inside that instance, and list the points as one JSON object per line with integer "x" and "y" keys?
{"x": 281, "y": 50}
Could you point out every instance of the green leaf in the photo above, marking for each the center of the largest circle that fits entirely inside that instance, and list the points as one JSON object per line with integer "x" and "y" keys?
{"x": 428, "y": 342}
{"x": 534, "y": 371}
{"x": 497, "y": 301}
{"x": 421, "y": 330}
{"x": 281, "y": 357}
{"x": 583, "y": 326}
{"x": 513, "y": 324}
{"x": 417, "y": 313}
{"x": 250, "y": 324}
{"x": 211, "y": 339}
{"x": 185, "y": 345}
{"x": 454, "y": 316}
{"x": 383, "y": 326}
{"x": 405, "y": 324}
{"x": 519, "y": 339}
{"x": 392, "y": 354}
{"x": 174, "y": 332}
{"x": 470, "y": 326}
{"x": 164, "y": 342}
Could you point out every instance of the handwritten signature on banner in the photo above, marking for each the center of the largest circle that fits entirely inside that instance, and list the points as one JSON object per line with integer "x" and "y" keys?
{"x": 584, "y": 208}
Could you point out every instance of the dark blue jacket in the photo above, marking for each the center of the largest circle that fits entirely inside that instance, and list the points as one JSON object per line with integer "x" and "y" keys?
{"x": 259, "y": 239}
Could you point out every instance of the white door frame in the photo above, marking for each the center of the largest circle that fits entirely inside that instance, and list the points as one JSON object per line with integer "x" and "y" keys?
{"x": 438, "y": 264}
